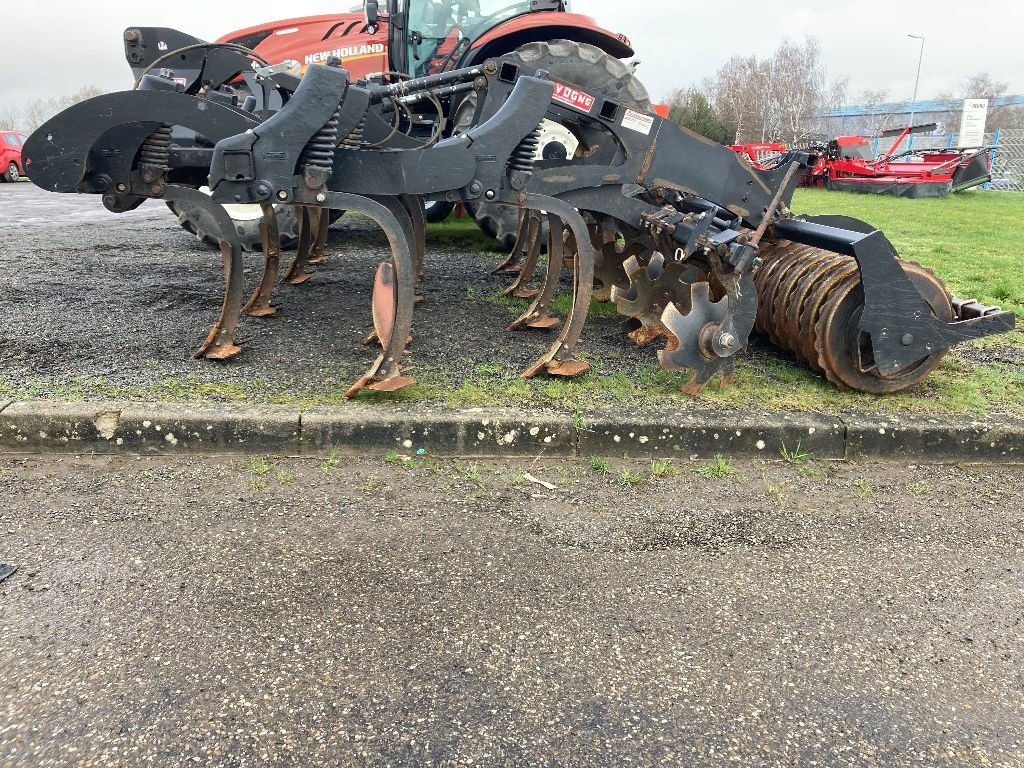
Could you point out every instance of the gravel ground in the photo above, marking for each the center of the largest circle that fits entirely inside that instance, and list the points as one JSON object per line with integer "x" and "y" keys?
{"x": 187, "y": 612}
{"x": 128, "y": 298}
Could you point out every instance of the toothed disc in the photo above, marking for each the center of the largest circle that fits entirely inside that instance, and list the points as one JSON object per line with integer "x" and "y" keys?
{"x": 685, "y": 350}
{"x": 651, "y": 289}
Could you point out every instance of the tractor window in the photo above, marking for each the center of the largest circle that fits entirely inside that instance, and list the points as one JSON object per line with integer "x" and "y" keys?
{"x": 440, "y": 31}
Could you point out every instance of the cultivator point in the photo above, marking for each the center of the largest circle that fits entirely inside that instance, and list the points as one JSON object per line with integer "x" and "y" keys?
{"x": 694, "y": 247}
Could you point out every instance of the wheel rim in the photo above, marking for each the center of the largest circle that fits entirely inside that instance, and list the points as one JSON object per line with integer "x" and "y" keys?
{"x": 556, "y": 142}
{"x": 239, "y": 212}
{"x": 13, "y": 173}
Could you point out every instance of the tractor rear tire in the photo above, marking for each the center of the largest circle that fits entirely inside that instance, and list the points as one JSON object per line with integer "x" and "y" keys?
{"x": 196, "y": 220}
{"x": 579, "y": 64}
{"x": 246, "y": 219}
{"x": 438, "y": 210}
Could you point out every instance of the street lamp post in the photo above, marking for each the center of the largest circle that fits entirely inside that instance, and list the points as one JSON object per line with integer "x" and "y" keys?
{"x": 917, "y": 80}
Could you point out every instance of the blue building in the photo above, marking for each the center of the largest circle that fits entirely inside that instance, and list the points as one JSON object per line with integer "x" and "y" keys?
{"x": 869, "y": 120}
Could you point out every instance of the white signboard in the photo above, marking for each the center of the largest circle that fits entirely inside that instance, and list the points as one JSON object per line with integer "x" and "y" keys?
{"x": 972, "y": 124}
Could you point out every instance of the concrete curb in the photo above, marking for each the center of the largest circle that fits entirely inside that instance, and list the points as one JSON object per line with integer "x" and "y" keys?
{"x": 707, "y": 433}
{"x": 160, "y": 428}
{"x": 489, "y": 432}
{"x": 49, "y": 426}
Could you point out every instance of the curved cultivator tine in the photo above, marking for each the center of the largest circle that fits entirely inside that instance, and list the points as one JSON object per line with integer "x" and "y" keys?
{"x": 538, "y": 315}
{"x": 385, "y": 375}
{"x": 520, "y": 287}
{"x": 560, "y": 359}
{"x": 220, "y": 342}
{"x": 321, "y": 221}
{"x": 414, "y": 207}
{"x": 513, "y": 262}
{"x": 297, "y": 273}
{"x": 270, "y": 237}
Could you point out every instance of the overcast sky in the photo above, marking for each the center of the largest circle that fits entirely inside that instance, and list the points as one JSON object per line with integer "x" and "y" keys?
{"x": 62, "y": 46}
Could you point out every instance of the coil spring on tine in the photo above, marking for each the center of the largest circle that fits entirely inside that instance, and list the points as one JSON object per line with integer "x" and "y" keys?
{"x": 524, "y": 156}
{"x": 156, "y": 149}
{"x": 355, "y": 139}
{"x": 319, "y": 151}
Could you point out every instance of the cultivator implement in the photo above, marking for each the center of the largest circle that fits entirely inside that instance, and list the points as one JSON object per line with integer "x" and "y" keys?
{"x": 694, "y": 247}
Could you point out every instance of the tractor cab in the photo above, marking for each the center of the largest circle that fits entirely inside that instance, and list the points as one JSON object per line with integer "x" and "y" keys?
{"x": 430, "y": 36}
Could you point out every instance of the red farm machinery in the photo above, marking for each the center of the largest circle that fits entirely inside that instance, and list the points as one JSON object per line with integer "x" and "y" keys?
{"x": 848, "y": 164}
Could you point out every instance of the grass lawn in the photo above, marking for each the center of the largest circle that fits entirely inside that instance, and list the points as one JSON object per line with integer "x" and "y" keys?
{"x": 971, "y": 240}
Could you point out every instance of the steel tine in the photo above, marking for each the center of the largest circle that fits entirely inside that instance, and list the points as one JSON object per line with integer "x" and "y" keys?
{"x": 382, "y": 298}
{"x": 321, "y": 228}
{"x": 259, "y": 304}
{"x": 512, "y": 262}
{"x": 538, "y": 314}
{"x": 385, "y": 373}
{"x": 560, "y": 359}
{"x": 414, "y": 206}
{"x": 520, "y": 286}
{"x": 297, "y": 273}
{"x": 220, "y": 342}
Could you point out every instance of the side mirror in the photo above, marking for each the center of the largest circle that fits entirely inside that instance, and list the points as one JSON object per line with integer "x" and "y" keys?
{"x": 371, "y": 9}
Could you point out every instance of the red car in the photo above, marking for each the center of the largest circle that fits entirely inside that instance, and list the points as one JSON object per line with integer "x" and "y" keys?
{"x": 10, "y": 155}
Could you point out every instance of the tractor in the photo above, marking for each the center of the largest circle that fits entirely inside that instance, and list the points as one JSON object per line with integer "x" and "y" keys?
{"x": 402, "y": 39}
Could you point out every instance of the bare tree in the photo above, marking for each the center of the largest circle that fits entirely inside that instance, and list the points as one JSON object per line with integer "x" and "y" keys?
{"x": 766, "y": 89}
{"x": 733, "y": 91}
{"x": 983, "y": 86}
{"x": 802, "y": 92}
{"x": 783, "y": 97}
{"x": 10, "y": 119}
{"x": 39, "y": 111}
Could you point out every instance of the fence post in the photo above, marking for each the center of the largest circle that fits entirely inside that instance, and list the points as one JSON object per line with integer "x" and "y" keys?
{"x": 992, "y": 156}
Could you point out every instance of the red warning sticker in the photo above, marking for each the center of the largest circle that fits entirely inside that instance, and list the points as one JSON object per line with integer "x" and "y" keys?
{"x": 584, "y": 102}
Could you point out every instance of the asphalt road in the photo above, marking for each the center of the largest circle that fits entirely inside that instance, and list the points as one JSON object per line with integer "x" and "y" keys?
{"x": 370, "y": 613}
